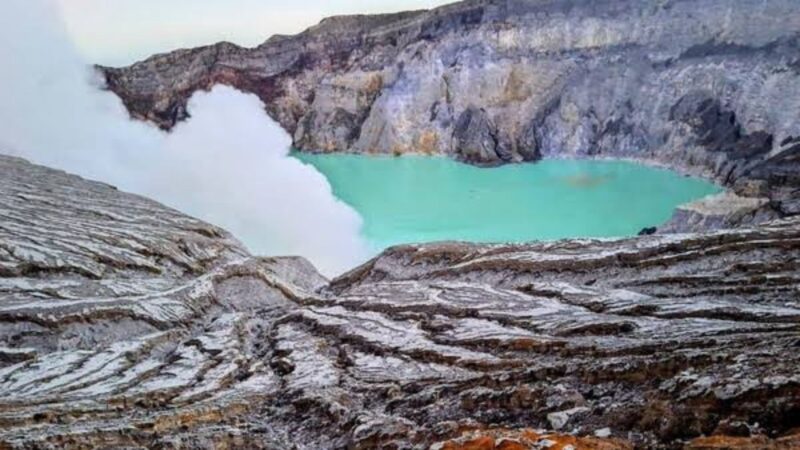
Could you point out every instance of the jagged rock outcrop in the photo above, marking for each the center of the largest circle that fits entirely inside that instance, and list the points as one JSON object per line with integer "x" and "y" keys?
{"x": 715, "y": 212}
{"x": 126, "y": 324}
{"x": 778, "y": 177}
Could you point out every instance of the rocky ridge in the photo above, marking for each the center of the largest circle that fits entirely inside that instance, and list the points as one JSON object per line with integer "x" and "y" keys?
{"x": 699, "y": 86}
{"x": 126, "y": 324}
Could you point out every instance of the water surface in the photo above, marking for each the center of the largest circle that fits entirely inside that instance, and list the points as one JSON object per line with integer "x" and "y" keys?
{"x": 422, "y": 199}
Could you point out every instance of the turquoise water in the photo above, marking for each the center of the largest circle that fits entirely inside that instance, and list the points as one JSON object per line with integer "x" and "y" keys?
{"x": 422, "y": 199}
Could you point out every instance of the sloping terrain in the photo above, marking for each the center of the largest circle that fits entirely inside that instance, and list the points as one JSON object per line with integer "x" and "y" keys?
{"x": 126, "y": 324}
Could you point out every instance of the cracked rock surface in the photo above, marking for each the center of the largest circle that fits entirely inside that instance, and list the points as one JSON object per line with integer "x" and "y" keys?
{"x": 126, "y": 324}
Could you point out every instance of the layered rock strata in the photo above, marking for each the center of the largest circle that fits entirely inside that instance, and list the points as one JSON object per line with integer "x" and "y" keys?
{"x": 126, "y": 324}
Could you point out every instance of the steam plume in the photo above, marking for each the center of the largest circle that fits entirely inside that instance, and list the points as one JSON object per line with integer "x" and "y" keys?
{"x": 229, "y": 164}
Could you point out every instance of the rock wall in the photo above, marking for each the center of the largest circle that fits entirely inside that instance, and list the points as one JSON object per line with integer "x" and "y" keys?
{"x": 700, "y": 85}
{"x": 124, "y": 324}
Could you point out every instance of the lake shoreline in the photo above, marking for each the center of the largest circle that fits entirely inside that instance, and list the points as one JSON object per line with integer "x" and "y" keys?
{"x": 422, "y": 198}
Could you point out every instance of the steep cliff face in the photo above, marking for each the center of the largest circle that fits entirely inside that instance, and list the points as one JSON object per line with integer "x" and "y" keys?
{"x": 126, "y": 324}
{"x": 698, "y": 84}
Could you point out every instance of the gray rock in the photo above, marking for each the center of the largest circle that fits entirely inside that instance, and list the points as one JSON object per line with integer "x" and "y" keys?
{"x": 781, "y": 174}
{"x": 124, "y": 323}
{"x": 726, "y": 210}
{"x": 715, "y": 128}
{"x": 475, "y": 138}
{"x": 603, "y": 432}
{"x": 558, "y": 420}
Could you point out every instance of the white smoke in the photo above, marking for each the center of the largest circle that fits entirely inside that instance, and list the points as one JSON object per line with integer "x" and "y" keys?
{"x": 228, "y": 165}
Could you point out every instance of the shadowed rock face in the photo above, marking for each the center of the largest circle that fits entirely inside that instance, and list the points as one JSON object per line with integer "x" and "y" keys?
{"x": 126, "y": 324}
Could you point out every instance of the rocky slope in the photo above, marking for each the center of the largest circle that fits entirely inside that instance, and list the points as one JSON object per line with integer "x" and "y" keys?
{"x": 701, "y": 86}
{"x": 126, "y": 324}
